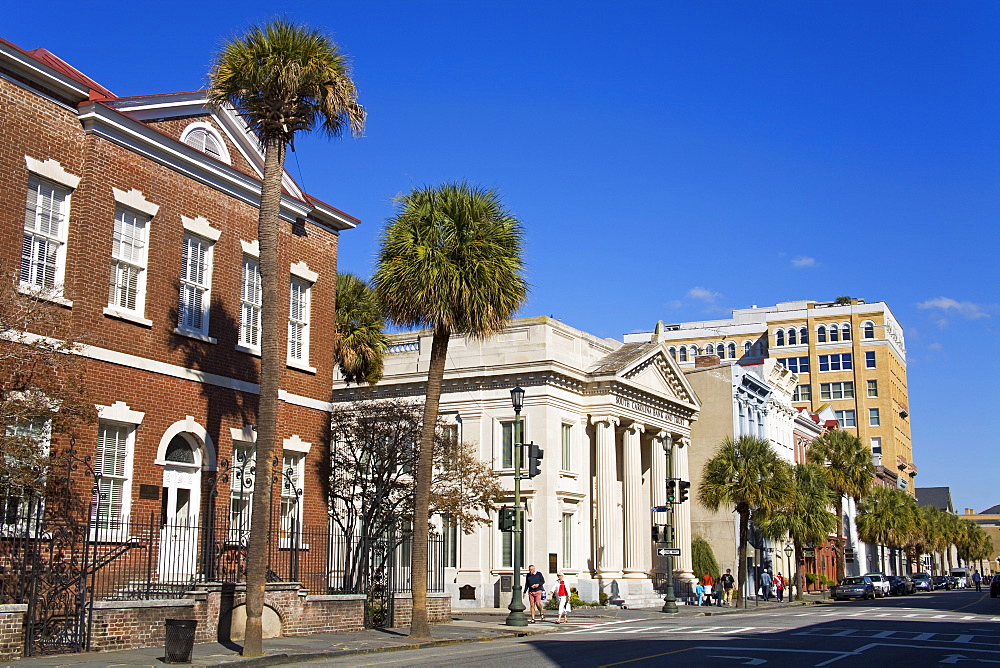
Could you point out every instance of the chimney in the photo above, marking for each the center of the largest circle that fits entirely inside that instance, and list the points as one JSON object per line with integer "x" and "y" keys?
{"x": 702, "y": 361}
{"x": 970, "y": 511}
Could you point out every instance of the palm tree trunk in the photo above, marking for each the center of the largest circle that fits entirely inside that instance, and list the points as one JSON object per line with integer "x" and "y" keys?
{"x": 741, "y": 567}
{"x": 800, "y": 571}
{"x": 272, "y": 341}
{"x": 839, "y": 547}
{"x": 420, "y": 627}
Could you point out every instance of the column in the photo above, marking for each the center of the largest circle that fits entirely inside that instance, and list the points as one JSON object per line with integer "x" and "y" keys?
{"x": 607, "y": 548}
{"x": 682, "y": 514}
{"x": 637, "y": 515}
{"x": 658, "y": 471}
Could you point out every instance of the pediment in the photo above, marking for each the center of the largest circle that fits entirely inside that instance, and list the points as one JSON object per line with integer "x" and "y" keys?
{"x": 648, "y": 368}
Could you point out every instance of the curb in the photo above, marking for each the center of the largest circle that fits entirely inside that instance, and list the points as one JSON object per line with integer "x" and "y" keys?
{"x": 281, "y": 659}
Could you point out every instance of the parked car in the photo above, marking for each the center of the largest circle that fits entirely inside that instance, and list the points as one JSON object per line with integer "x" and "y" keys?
{"x": 942, "y": 582}
{"x": 923, "y": 581}
{"x": 856, "y": 587}
{"x": 881, "y": 583}
{"x": 995, "y": 586}
{"x": 901, "y": 585}
{"x": 957, "y": 582}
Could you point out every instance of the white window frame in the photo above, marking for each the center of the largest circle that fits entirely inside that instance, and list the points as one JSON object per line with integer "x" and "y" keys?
{"x": 836, "y": 391}
{"x": 291, "y": 502}
{"x": 39, "y": 431}
{"x": 800, "y": 390}
{"x": 842, "y": 418}
{"x": 48, "y": 172}
{"x": 251, "y": 300}
{"x": 513, "y": 439}
{"x": 198, "y": 229}
{"x": 566, "y": 562}
{"x": 199, "y": 129}
{"x": 874, "y": 419}
{"x": 299, "y": 306}
{"x": 566, "y": 447}
{"x": 450, "y": 537}
{"x": 870, "y": 362}
{"x": 836, "y": 362}
{"x": 241, "y": 485}
{"x": 872, "y": 388}
{"x": 195, "y": 286}
{"x": 40, "y": 239}
{"x": 116, "y": 416}
{"x": 131, "y": 207}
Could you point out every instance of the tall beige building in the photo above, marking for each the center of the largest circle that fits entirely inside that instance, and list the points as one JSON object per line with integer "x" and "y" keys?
{"x": 850, "y": 357}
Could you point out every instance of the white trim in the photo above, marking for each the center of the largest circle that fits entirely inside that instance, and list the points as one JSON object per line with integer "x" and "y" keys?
{"x": 199, "y": 225}
{"x": 208, "y": 127}
{"x": 246, "y": 434}
{"x": 131, "y": 316}
{"x": 188, "y": 426}
{"x": 251, "y": 248}
{"x": 44, "y": 294}
{"x": 175, "y": 371}
{"x": 134, "y": 199}
{"x": 300, "y": 365}
{"x": 37, "y": 72}
{"x": 302, "y": 270}
{"x": 295, "y": 444}
{"x": 250, "y": 350}
{"x": 53, "y": 171}
{"x": 194, "y": 335}
{"x": 119, "y": 412}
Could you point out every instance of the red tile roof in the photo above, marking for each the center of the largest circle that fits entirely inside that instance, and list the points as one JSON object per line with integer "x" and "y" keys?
{"x": 46, "y": 57}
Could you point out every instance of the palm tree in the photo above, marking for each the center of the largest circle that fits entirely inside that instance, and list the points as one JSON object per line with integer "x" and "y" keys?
{"x": 748, "y": 475}
{"x": 281, "y": 78}
{"x": 361, "y": 343}
{"x": 885, "y": 517}
{"x": 450, "y": 259}
{"x": 805, "y": 517}
{"x": 849, "y": 473}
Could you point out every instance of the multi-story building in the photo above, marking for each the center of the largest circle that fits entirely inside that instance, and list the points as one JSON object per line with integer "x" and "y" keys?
{"x": 849, "y": 356}
{"x": 606, "y": 414}
{"x": 138, "y": 217}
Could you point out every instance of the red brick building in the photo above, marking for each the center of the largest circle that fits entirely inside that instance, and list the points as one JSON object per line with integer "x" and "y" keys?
{"x": 141, "y": 214}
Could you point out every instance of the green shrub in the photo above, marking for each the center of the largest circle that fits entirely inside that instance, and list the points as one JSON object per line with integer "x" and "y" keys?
{"x": 603, "y": 598}
{"x": 703, "y": 558}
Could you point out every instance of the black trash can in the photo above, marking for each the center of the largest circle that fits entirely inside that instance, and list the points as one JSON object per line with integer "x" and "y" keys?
{"x": 180, "y": 640}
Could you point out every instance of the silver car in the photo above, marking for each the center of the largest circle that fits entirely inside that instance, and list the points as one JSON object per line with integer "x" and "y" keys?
{"x": 856, "y": 587}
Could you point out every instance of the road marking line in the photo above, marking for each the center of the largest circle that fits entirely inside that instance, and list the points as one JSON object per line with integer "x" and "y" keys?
{"x": 643, "y": 658}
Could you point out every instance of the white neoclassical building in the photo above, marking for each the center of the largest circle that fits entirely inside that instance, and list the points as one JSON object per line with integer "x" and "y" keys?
{"x": 606, "y": 414}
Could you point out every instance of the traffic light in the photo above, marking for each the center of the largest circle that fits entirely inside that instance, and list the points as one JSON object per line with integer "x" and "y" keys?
{"x": 683, "y": 486}
{"x": 671, "y": 490}
{"x": 508, "y": 517}
{"x": 535, "y": 453}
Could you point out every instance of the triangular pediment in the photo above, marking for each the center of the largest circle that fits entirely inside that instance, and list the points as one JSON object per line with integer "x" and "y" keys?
{"x": 648, "y": 368}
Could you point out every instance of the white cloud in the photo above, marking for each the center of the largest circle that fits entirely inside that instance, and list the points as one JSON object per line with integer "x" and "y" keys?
{"x": 804, "y": 261}
{"x": 935, "y": 346}
{"x": 968, "y": 310}
{"x": 703, "y": 294}
{"x": 675, "y": 303}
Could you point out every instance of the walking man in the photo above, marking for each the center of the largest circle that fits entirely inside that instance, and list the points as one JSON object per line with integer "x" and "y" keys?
{"x": 978, "y": 580}
{"x": 534, "y": 587}
{"x": 728, "y": 585}
{"x": 765, "y": 584}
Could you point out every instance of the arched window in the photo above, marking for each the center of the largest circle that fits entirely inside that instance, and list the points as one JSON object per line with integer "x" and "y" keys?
{"x": 804, "y": 335}
{"x": 834, "y": 333}
{"x": 845, "y": 332}
{"x": 720, "y": 350}
{"x": 673, "y": 352}
{"x": 869, "y": 329}
{"x": 758, "y": 349}
{"x": 746, "y": 347}
{"x": 732, "y": 351}
{"x": 203, "y": 137}
{"x": 694, "y": 352}
{"x": 779, "y": 337}
{"x": 684, "y": 354}
{"x": 821, "y": 334}
{"x": 710, "y": 349}
{"x": 791, "y": 337}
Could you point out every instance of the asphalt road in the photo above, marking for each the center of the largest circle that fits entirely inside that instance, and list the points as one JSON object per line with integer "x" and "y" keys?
{"x": 956, "y": 627}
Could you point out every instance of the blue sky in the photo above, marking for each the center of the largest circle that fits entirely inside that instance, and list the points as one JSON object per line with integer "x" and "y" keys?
{"x": 670, "y": 160}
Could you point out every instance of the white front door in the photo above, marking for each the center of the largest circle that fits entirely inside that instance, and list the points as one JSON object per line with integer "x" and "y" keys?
{"x": 179, "y": 523}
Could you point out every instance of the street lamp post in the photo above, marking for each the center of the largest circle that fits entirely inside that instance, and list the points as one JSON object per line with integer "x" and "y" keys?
{"x": 791, "y": 570}
{"x": 669, "y": 597}
{"x": 516, "y": 615}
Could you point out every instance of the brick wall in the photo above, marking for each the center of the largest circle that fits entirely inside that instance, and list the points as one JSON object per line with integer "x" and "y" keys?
{"x": 12, "y": 631}
{"x": 438, "y": 609}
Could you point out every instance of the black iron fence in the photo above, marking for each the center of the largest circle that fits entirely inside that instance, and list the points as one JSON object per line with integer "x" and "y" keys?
{"x": 130, "y": 559}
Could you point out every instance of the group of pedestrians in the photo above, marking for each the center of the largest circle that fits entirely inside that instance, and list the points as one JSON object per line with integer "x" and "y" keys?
{"x": 769, "y": 586}
{"x": 534, "y": 589}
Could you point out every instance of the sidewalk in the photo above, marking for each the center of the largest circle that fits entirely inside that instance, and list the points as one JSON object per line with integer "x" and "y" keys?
{"x": 467, "y": 625}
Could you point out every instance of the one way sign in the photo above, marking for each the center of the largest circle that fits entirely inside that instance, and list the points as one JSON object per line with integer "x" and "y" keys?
{"x": 668, "y": 551}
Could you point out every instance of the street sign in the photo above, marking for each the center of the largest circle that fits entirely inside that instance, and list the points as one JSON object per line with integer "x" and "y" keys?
{"x": 659, "y": 509}
{"x": 668, "y": 551}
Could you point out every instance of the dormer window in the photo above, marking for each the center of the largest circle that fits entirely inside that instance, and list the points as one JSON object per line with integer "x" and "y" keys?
{"x": 203, "y": 137}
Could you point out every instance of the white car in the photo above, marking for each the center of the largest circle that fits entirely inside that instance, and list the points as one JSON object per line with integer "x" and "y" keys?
{"x": 881, "y": 583}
